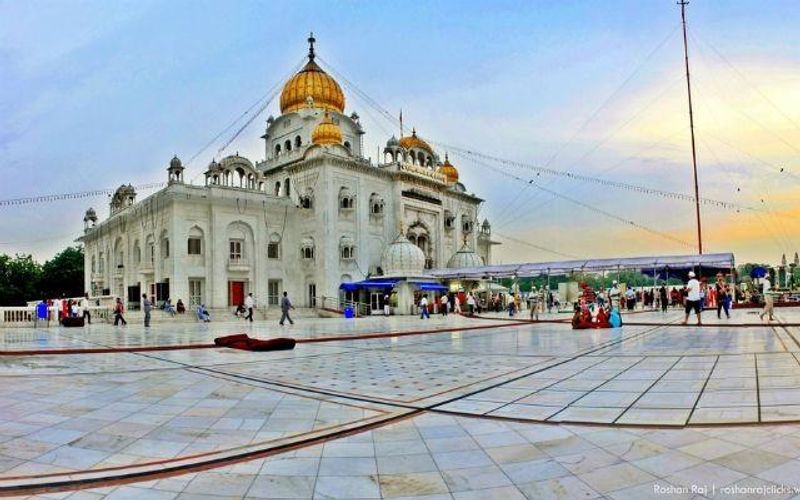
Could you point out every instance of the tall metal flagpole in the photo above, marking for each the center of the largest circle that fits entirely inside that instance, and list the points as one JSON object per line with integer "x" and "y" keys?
{"x": 683, "y": 4}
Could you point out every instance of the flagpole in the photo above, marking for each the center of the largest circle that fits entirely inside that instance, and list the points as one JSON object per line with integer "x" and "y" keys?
{"x": 683, "y": 4}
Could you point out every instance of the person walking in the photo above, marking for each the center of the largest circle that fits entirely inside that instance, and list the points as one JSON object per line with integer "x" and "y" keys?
{"x": 119, "y": 309}
{"x": 662, "y": 296}
{"x": 769, "y": 301}
{"x": 445, "y": 303}
{"x": 147, "y": 307}
{"x": 721, "y": 295}
{"x": 456, "y": 304}
{"x": 692, "y": 299}
{"x": 471, "y": 303}
{"x": 533, "y": 304}
{"x": 286, "y": 304}
{"x": 87, "y": 315}
{"x": 386, "y": 307}
{"x": 423, "y": 308}
{"x": 249, "y": 304}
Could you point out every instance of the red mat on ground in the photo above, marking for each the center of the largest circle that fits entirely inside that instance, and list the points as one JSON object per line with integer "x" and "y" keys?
{"x": 245, "y": 343}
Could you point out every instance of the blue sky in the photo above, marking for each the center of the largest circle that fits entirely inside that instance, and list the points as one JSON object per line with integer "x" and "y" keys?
{"x": 98, "y": 93}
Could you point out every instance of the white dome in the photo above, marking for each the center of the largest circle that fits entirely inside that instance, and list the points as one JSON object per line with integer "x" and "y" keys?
{"x": 465, "y": 258}
{"x": 403, "y": 258}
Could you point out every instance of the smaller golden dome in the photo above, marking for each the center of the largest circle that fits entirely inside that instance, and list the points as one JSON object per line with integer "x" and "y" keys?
{"x": 448, "y": 170}
{"x": 413, "y": 141}
{"x": 326, "y": 132}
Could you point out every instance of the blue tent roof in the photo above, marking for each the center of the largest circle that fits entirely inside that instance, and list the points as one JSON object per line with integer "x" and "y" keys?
{"x": 371, "y": 283}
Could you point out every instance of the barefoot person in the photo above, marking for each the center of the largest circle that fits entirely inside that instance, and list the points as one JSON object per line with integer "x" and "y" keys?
{"x": 769, "y": 301}
{"x": 692, "y": 298}
{"x": 286, "y": 304}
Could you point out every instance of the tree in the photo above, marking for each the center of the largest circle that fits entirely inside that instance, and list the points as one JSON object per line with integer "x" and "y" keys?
{"x": 63, "y": 274}
{"x": 19, "y": 278}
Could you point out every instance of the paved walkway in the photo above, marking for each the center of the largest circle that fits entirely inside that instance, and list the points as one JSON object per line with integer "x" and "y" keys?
{"x": 464, "y": 408}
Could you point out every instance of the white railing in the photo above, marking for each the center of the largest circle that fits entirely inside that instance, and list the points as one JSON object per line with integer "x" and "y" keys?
{"x": 238, "y": 264}
{"x": 334, "y": 304}
{"x": 26, "y": 316}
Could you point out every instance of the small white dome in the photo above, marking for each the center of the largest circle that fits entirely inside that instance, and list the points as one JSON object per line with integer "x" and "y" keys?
{"x": 465, "y": 258}
{"x": 403, "y": 258}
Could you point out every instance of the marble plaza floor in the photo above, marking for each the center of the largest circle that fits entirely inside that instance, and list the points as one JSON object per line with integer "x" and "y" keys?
{"x": 399, "y": 407}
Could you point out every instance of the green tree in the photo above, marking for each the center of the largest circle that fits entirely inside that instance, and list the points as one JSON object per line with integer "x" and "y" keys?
{"x": 19, "y": 278}
{"x": 63, "y": 274}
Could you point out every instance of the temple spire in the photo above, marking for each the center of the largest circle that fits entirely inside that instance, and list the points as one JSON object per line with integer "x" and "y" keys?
{"x": 311, "y": 41}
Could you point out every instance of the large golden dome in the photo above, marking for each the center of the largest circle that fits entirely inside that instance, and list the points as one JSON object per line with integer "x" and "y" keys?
{"x": 326, "y": 132}
{"x": 312, "y": 81}
{"x": 413, "y": 141}
{"x": 448, "y": 170}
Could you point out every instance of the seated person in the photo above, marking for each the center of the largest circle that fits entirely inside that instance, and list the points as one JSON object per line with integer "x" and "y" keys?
{"x": 615, "y": 318}
{"x": 202, "y": 313}
{"x": 602, "y": 319}
{"x": 240, "y": 311}
{"x": 169, "y": 308}
{"x": 180, "y": 307}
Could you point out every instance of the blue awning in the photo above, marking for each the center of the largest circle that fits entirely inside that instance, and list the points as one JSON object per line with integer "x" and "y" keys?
{"x": 367, "y": 284}
{"x": 433, "y": 287}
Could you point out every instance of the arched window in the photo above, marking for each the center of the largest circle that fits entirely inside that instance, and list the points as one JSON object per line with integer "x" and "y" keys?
{"x": 467, "y": 224}
{"x": 297, "y": 142}
{"x": 274, "y": 246}
{"x": 376, "y": 204}
{"x": 347, "y": 145}
{"x": 94, "y": 264}
{"x": 347, "y": 248}
{"x": 287, "y": 145}
{"x": 277, "y": 150}
{"x": 346, "y": 199}
{"x": 137, "y": 253}
{"x": 449, "y": 220}
{"x": 307, "y": 249}
{"x": 164, "y": 245}
{"x": 278, "y": 188}
{"x": 307, "y": 199}
{"x": 287, "y": 187}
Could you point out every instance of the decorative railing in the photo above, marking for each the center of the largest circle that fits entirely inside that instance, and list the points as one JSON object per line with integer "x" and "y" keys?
{"x": 238, "y": 264}
{"x": 334, "y": 304}
{"x": 26, "y": 316}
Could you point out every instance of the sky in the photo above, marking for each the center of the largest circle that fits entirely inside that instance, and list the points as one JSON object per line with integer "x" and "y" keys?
{"x": 94, "y": 94}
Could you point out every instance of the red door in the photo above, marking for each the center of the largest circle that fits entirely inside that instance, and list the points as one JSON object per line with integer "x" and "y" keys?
{"x": 235, "y": 293}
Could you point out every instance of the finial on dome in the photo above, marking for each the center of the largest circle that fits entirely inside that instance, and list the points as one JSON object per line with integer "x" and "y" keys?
{"x": 311, "y": 41}
{"x": 413, "y": 131}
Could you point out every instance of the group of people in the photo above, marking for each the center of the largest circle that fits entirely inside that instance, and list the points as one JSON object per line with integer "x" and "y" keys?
{"x": 66, "y": 308}
{"x": 446, "y": 305}
{"x": 148, "y": 303}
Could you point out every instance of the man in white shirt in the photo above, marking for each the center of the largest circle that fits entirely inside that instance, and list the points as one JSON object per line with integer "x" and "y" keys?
{"x": 692, "y": 298}
{"x": 444, "y": 301}
{"x": 249, "y": 304}
{"x": 769, "y": 301}
{"x": 613, "y": 295}
{"x": 386, "y": 305}
{"x": 423, "y": 308}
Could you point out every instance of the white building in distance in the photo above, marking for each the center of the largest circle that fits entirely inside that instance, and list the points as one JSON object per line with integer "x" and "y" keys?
{"x": 314, "y": 214}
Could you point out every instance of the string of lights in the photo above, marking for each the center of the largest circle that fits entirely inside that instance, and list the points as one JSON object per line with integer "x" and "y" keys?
{"x": 45, "y": 198}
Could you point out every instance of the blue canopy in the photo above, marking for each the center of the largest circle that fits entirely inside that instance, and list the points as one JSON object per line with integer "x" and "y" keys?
{"x": 433, "y": 287}
{"x": 366, "y": 284}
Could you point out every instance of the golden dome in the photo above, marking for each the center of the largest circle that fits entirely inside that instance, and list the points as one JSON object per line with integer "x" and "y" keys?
{"x": 312, "y": 82}
{"x": 326, "y": 132}
{"x": 413, "y": 141}
{"x": 448, "y": 170}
